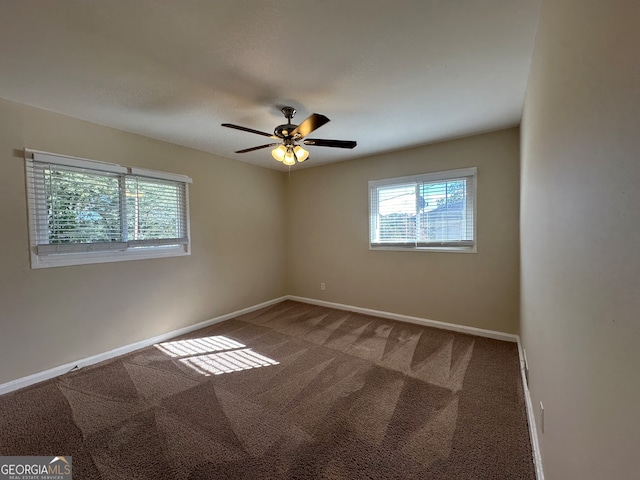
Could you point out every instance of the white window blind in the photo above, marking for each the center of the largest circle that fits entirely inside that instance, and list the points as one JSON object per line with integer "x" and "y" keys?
{"x": 155, "y": 210}
{"x": 429, "y": 211}
{"x": 85, "y": 207}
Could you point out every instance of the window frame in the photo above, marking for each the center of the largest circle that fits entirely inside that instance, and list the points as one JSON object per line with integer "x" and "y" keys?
{"x": 45, "y": 256}
{"x": 471, "y": 173}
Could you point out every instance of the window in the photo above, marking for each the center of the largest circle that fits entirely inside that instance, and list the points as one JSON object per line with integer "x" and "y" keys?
{"x": 434, "y": 211}
{"x": 83, "y": 211}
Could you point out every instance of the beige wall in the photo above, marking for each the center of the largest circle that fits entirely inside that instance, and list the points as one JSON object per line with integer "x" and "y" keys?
{"x": 580, "y": 236}
{"x": 328, "y": 229}
{"x": 52, "y": 316}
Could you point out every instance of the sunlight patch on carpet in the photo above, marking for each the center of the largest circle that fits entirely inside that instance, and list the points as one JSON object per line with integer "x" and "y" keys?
{"x": 227, "y": 362}
{"x": 198, "y": 346}
{"x": 214, "y": 355}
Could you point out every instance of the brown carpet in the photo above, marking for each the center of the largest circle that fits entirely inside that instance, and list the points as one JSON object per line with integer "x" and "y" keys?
{"x": 292, "y": 391}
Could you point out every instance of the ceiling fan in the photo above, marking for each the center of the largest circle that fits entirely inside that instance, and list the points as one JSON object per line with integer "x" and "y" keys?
{"x": 288, "y": 135}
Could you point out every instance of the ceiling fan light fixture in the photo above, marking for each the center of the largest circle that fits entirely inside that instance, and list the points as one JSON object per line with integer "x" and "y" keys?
{"x": 279, "y": 152}
{"x": 301, "y": 153}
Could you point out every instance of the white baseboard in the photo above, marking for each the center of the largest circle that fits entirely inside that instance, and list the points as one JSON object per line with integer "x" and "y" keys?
{"x": 62, "y": 369}
{"x": 481, "y": 332}
{"x": 531, "y": 419}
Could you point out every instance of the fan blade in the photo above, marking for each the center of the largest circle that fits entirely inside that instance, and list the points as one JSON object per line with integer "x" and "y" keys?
{"x": 246, "y": 150}
{"x": 312, "y": 122}
{"x": 250, "y": 130}
{"x": 319, "y": 142}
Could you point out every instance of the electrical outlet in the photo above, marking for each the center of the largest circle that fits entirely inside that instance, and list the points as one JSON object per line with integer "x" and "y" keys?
{"x": 541, "y": 417}
{"x": 323, "y": 286}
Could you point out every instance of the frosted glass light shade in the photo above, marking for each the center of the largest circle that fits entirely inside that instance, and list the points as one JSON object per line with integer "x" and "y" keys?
{"x": 289, "y": 157}
{"x": 301, "y": 153}
{"x": 279, "y": 153}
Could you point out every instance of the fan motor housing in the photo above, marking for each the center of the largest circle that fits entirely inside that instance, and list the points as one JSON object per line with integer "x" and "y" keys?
{"x": 284, "y": 130}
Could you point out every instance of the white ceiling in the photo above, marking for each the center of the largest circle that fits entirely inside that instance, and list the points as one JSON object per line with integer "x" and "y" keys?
{"x": 389, "y": 74}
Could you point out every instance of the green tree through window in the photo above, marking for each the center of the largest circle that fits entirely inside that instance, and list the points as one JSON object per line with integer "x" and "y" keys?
{"x": 103, "y": 212}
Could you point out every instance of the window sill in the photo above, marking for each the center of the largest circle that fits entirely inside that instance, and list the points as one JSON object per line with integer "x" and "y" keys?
{"x": 472, "y": 249}
{"x": 86, "y": 258}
